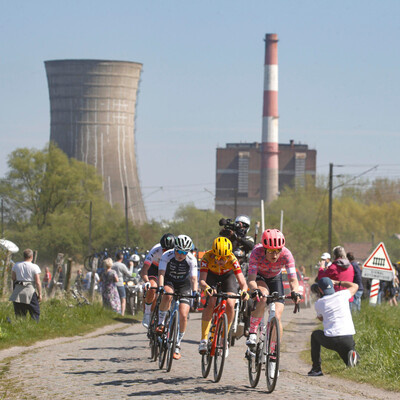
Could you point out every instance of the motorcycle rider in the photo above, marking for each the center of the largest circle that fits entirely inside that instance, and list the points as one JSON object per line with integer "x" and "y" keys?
{"x": 236, "y": 232}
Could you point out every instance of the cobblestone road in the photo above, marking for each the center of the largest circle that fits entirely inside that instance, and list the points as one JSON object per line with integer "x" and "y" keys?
{"x": 113, "y": 363}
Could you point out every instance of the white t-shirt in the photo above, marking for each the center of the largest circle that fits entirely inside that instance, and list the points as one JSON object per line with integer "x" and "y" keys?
{"x": 25, "y": 271}
{"x": 88, "y": 280}
{"x": 335, "y": 311}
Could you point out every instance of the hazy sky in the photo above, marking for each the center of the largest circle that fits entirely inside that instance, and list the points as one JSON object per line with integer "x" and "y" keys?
{"x": 202, "y": 81}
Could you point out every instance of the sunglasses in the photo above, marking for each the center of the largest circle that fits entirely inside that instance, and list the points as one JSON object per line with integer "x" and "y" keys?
{"x": 182, "y": 252}
{"x": 273, "y": 251}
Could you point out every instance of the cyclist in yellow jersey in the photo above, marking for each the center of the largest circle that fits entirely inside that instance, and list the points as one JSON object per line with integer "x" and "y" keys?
{"x": 219, "y": 265}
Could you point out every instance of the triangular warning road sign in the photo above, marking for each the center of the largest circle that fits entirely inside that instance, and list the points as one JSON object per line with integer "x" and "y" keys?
{"x": 378, "y": 264}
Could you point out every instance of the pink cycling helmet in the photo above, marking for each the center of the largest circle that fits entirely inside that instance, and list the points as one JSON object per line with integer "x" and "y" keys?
{"x": 273, "y": 239}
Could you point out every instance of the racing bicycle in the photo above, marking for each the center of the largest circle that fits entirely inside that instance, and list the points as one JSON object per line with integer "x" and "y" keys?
{"x": 267, "y": 350}
{"x": 167, "y": 340}
{"x": 217, "y": 343}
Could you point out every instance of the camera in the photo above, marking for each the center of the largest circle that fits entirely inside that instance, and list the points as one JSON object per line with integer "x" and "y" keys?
{"x": 229, "y": 224}
{"x": 231, "y": 229}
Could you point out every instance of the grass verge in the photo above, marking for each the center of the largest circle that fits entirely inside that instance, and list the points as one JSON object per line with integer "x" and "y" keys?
{"x": 378, "y": 343}
{"x": 59, "y": 318}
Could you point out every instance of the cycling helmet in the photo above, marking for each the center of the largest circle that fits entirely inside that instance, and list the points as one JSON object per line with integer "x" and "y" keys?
{"x": 135, "y": 258}
{"x": 167, "y": 241}
{"x": 222, "y": 246}
{"x": 273, "y": 239}
{"x": 183, "y": 242}
{"x": 244, "y": 222}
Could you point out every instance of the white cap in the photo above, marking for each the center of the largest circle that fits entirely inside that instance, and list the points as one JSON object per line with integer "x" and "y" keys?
{"x": 325, "y": 256}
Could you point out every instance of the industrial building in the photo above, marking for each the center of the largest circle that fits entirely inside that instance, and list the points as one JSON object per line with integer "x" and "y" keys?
{"x": 238, "y": 174}
{"x": 92, "y": 111}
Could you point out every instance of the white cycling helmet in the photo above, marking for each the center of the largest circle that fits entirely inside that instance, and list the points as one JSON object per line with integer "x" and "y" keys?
{"x": 245, "y": 221}
{"x": 135, "y": 258}
{"x": 183, "y": 242}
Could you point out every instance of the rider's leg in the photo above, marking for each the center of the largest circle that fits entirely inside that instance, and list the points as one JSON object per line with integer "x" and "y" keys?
{"x": 279, "y": 307}
{"x": 230, "y": 311}
{"x": 258, "y": 313}
{"x": 206, "y": 318}
{"x": 183, "y": 317}
{"x": 164, "y": 305}
{"x": 151, "y": 296}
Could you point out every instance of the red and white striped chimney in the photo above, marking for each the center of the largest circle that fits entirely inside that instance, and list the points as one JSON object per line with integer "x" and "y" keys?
{"x": 269, "y": 156}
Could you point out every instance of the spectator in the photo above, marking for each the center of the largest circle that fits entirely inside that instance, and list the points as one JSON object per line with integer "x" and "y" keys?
{"x": 324, "y": 262}
{"x": 60, "y": 278}
{"x": 356, "y": 304}
{"x": 393, "y": 289}
{"x": 88, "y": 280}
{"x": 26, "y": 277}
{"x": 134, "y": 267}
{"x": 79, "y": 280}
{"x": 110, "y": 292}
{"x": 46, "y": 278}
{"x": 339, "y": 270}
{"x": 122, "y": 271}
{"x": 333, "y": 310}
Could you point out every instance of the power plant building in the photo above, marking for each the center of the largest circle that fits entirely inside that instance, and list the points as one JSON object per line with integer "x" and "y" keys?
{"x": 92, "y": 110}
{"x": 238, "y": 174}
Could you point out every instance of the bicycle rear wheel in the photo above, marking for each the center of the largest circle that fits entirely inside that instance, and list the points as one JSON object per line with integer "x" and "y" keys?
{"x": 171, "y": 341}
{"x": 254, "y": 360}
{"x": 272, "y": 356}
{"x": 220, "y": 350}
{"x": 163, "y": 343}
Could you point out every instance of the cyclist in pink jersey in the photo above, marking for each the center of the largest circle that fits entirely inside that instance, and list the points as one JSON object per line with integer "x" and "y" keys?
{"x": 266, "y": 262}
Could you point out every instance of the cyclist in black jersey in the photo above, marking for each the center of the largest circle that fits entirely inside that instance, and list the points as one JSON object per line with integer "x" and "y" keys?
{"x": 177, "y": 272}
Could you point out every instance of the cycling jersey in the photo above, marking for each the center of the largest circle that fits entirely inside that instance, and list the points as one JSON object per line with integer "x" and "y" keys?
{"x": 175, "y": 270}
{"x": 258, "y": 264}
{"x": 154, "y": 255}
{"x": 208, "y": 263}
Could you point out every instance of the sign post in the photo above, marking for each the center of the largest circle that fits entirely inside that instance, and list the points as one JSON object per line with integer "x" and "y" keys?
{"x": 377, "y": 267}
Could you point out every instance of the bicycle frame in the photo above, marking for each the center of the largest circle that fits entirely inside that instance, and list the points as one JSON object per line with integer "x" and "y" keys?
{"x": 218, "y": 312}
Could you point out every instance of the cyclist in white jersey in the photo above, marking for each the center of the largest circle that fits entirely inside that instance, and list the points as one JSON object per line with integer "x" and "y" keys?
{"x": 149, "y": 273}
{"x": 177, "y": 272}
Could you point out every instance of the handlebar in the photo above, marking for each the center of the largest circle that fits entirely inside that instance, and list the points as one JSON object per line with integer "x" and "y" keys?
{"x": 226, "y": 296}
{"x": 180, "y": 296}
{"x": 273, "y": 297}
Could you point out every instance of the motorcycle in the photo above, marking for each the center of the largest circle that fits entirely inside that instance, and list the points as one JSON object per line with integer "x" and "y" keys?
{"x": 134, "y": 295}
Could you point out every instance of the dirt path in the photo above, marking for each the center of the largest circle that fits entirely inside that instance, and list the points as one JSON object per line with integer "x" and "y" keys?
{"x": 113, "y": 363}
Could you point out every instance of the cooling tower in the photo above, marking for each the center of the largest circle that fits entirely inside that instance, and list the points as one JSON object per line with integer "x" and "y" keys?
{"x": 92, "y": 109}
{"x": 269, "y": 157}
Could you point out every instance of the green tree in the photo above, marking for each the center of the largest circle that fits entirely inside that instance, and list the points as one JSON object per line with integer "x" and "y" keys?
{"x": 47, "y": 197}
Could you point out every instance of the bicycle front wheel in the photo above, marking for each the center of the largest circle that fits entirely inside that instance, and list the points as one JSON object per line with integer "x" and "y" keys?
{"x": 151, "y": 333}
{"x": 272, "y": 356}
{"x": 171, "y": 340}
{"x": 254, "y": 360}
{"x": 206, "y": 359}
{"x": 220, "y": 350}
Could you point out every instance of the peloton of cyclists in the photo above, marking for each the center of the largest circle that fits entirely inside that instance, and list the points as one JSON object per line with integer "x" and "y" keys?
{"x": 219, "y": 265}
{"x": 265, "y": 265}
{"x": 149, "y": 273}
{"x": 177, "y": 272}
